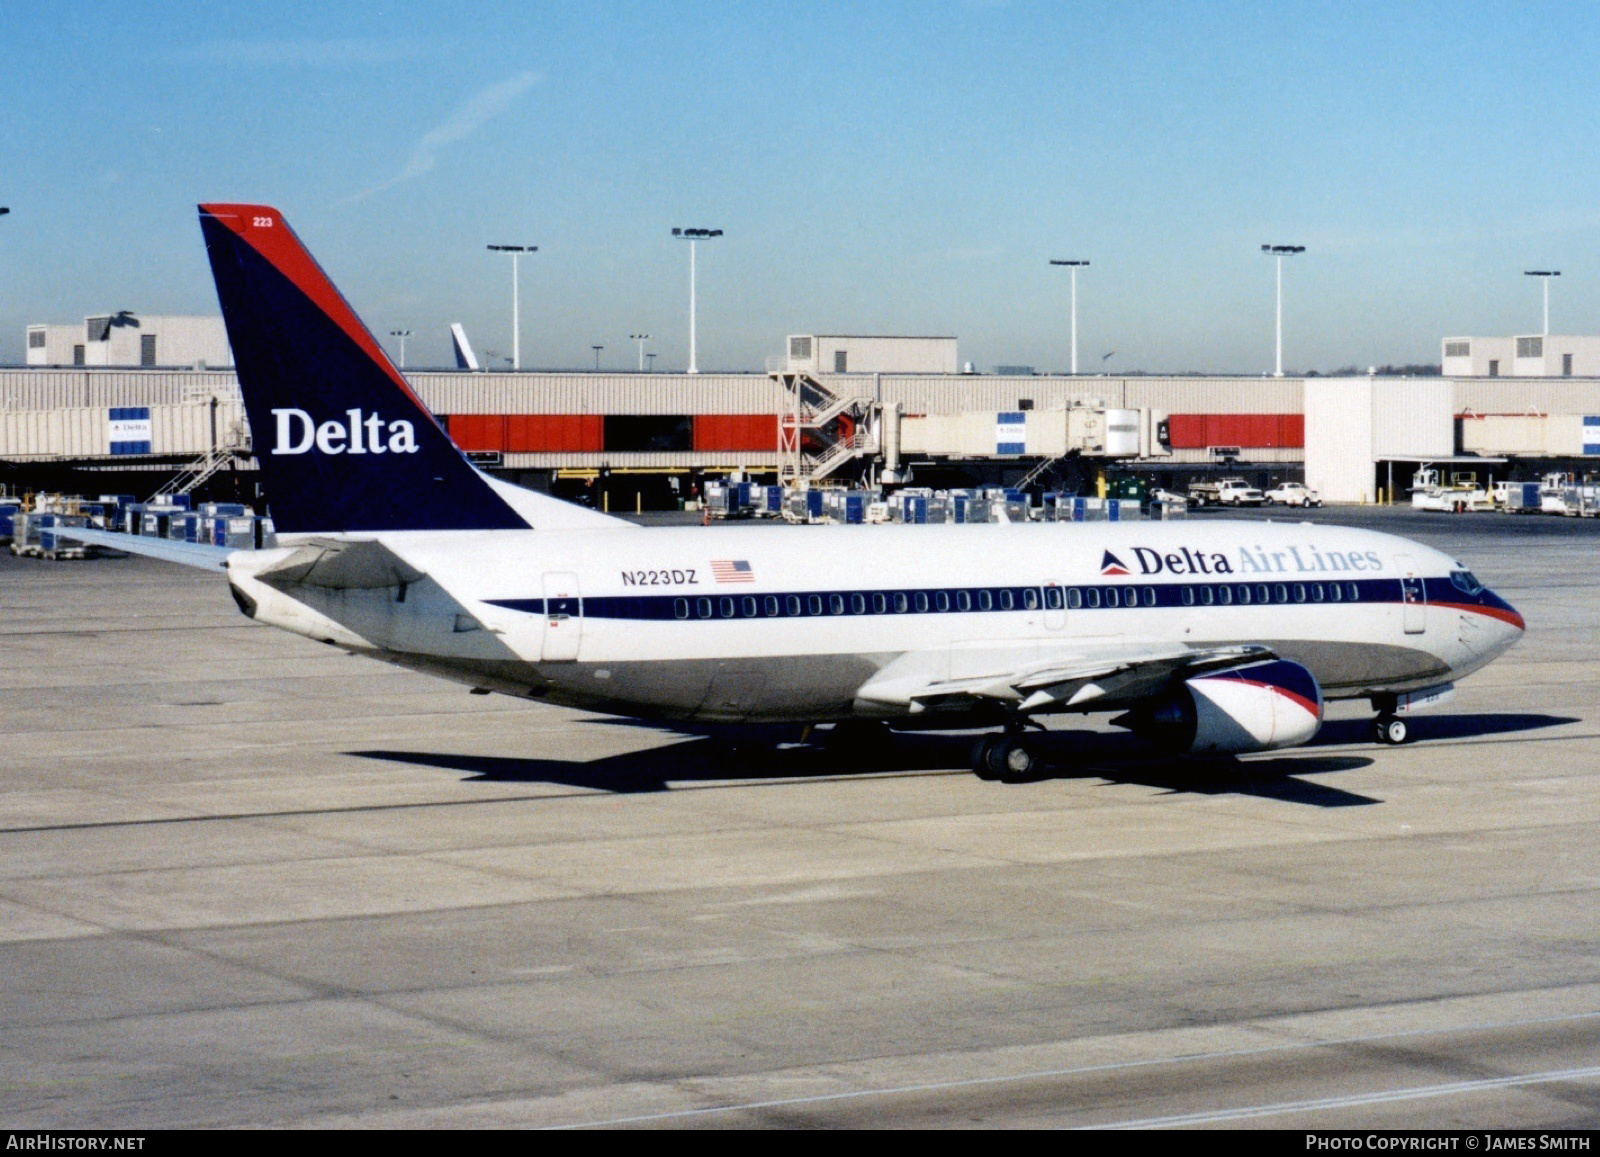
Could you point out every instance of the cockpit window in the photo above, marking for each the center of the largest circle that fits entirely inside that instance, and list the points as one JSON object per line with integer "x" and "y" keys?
{"x": 1465, "y": 581}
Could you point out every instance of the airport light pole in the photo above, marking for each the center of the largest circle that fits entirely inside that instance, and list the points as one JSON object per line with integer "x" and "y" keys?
{"x": 402, "y": 334}
{"x": 1280, "y": 252}
{"x": 641, "y": 338}
{"x": 1544, "y": 275}
{"x": 597, "y": 349}
{"x": 1073, "y": 266}
{"x": 692, "y": 236}
{"x": 516, "y": 252}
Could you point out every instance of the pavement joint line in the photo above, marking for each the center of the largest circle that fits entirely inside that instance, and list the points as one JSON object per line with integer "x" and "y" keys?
{"x": 1114, "y": 1066}
{"x": 587, "y": 793}
{"x": 1356, "y": 1100}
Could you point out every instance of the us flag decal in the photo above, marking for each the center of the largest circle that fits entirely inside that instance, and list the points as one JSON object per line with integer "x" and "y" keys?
{"x": 728, "y": 570}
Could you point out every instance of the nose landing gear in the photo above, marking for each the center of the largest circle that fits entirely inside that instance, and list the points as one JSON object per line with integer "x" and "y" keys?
{"x": 1390, "y": 729}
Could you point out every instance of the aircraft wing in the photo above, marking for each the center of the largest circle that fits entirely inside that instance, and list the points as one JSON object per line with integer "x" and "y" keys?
{"x": 1087, "y": 680}
{"x": 196, "y": 554}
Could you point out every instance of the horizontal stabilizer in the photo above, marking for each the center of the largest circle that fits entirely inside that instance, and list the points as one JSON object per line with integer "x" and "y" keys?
{"x": 197, "y": 554}
{"x": 361, "y": 565}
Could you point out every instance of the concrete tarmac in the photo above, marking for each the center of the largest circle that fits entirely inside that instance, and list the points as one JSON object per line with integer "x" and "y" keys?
{"x": 246, "y": 880}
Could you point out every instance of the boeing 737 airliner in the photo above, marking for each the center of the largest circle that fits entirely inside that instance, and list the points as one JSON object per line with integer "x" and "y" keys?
{"x": 1207, "y": 638}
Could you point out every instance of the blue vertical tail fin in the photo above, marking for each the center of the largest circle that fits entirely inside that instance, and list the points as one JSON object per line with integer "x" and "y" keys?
{"x": 342, "y": 441}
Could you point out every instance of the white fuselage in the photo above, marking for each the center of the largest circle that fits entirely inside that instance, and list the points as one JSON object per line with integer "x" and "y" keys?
{"x": 769, "y": 623}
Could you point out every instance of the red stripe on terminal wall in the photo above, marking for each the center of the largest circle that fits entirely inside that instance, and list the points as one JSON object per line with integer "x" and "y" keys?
{"x": 528, "y": 433}
{"x": 733, "y": 432}
{"x": 1197, "y": 431}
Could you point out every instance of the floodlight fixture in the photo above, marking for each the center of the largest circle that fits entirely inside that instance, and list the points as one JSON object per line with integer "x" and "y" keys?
{"x": 1545, "y": 275}
{"x": 692, "y": 236}
{"x": 516, "y": 252}
{"x": 1073, "y": 266}
{"x": 1279, "y": 252}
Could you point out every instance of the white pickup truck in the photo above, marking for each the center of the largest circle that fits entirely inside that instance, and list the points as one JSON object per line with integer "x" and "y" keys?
{"x": 1224, "y": 492}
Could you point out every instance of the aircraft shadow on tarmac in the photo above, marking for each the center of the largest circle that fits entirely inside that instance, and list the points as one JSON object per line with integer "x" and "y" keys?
{"x": 714, "y": 756}
{"x": 706, "y": 761}
{"x": 1436, "y": 727}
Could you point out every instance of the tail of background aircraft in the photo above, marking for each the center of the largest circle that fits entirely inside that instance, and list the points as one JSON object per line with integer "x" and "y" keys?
{"x": 343, "y": 443}
{"x": 465, "y": 358}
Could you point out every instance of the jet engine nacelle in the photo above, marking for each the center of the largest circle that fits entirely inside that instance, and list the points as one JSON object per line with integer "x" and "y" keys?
{"x": 1253, "y": 707}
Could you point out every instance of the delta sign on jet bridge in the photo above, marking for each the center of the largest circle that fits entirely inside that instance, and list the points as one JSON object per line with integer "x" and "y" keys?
{"x": 1209, "y": 639}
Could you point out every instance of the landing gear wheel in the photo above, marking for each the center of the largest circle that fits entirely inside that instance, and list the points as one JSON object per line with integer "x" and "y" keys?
{"x": 1011, "y": 760}
{"x": 980, "y": 757}
{"x": 1390, "y": 729}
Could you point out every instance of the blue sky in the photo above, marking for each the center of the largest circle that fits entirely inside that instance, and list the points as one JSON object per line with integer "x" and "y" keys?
{"x": 877, "y": 168}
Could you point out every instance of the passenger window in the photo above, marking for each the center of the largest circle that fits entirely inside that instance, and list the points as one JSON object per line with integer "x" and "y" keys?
{"x": 858, "y": 604}
{"x": 963, "y": 601}
{"x": 985, "y": 601}
{"x": 1052, "y": 598}
{"x": 1074, "y": 599}
{"x": 1006, "y": 602}
{"x": 791, "y": 604}
{"x": 920, "y": 601}
{"x": 680, "y": 608}
{"x": 1030, "y": 598}
{"x": 747, "y": 607}
{"x": 1262, "y": 594}
{"x": 814, "y": 604}
{"x": 703, "y": 608}
{"x": 1352, "y": 593}
{"x": 1299, "y": 592}
{"x": 1317, "y": 593}
{"x": 1280, "y": 593}
{"x": 770, "y": 604}
{"x": 725, "y": 606}
{"x": 941, "y": 601}
{"x": 1205, "y": 596}
{"x": 1149, "y": 596}
{"x": 901, "y": 605}
{"x": 1335, "y": 592}
{"x": 1224, "y": 596}
{"x": 1091, "y": 597}
{"x": 1188, "y": 596}
{"x": 1113, "y": 598}
{"x": 836, "y": 604}
{"x": 1244, "y": 596}
{"x": 880, "y": 603}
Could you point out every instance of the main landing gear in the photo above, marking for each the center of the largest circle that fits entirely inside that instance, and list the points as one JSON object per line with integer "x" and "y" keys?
{"x": 1008, "y": 757}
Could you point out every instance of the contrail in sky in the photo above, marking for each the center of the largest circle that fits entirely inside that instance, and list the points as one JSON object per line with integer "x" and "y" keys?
{"x": 476, "y": 111}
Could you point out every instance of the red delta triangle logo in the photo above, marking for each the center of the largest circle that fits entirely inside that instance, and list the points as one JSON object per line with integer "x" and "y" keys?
{"x": 1111, "y": 564}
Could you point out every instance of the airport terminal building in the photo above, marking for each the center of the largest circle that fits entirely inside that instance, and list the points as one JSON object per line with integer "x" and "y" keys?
{"x": 838, "y": 409}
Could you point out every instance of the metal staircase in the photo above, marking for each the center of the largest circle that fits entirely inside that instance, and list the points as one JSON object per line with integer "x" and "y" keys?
{"x": 237, "y": 443}
{"x": 810, "y": 411}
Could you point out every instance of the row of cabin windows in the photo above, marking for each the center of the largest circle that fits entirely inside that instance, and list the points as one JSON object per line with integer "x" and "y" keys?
{"x": 1244, "y": 594}
{"x": 1002, "y": 599}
